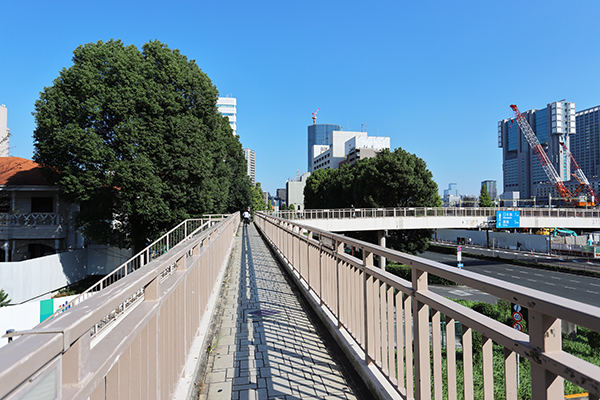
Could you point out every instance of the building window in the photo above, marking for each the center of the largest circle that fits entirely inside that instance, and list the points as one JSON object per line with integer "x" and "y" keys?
{"x": 42, "y": 204}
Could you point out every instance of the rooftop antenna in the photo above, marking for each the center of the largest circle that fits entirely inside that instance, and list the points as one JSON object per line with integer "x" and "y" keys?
{"x": 314, "y": 116}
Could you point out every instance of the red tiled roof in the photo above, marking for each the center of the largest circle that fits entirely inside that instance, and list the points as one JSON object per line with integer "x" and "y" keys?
{"x": 20, "y": 171}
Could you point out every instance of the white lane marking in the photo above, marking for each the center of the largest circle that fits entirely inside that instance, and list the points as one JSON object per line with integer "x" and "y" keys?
{"x": 550, "y": 283}
{"x": 569, "y": 287}
{"x": 509, "y": 269}
{"x": 538, "y": 275}
{"x": 594, "y": 284}
{"x": 501, "y": 274}
{"x": 591, "y": 291}
{"x": 556, "y": 277}
{"x": 570, "y": 280}
{"x": 531, "y": 280}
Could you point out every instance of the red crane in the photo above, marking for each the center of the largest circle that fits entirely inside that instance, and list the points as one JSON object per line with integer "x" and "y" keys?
{"x": 537, "y": 148}
{"x": 314, "y": 116}
{"x": 580, "y": 176}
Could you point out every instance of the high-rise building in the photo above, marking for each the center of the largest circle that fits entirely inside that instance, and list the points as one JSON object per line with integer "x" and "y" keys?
{"x": 491, "y": 188}
{"x": 319, "y": 134}
{"x": 251, "y": 161}
{"x": 227, "y": 106}
{"x": 552, "y": 125}
{"x": 451, "y": 197}
{"x": 4, "y": 131}
{"x": 585, "y": 144}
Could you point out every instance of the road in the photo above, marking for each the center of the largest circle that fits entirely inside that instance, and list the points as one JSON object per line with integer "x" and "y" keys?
{"x": 580, "y": 288}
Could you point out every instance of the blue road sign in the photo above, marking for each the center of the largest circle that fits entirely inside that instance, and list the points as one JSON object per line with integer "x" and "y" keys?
{"x": 508, "y": 219}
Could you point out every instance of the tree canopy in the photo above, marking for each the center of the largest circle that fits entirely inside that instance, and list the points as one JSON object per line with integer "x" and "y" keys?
{"x": 135, "y": 138}
{"x": 391, "y": 179}
{"x": 484, "y": 198}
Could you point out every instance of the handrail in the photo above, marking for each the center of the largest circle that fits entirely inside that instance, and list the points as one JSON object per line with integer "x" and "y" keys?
{"x": 62, "y": 357}
{"x": 182, "y": 232}
{"x": 434, "y": 212}
{"x": 372, "y": 306}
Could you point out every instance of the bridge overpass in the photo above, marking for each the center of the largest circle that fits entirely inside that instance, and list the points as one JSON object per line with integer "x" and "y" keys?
{"x": 380, "y": 219}
{"x": 132, "y": 337}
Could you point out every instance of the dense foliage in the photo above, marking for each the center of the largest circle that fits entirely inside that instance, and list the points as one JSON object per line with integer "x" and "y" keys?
{"x": 391, "y": 179}
{"x": 135, "y": 138}
{"x": 484, "y": 198}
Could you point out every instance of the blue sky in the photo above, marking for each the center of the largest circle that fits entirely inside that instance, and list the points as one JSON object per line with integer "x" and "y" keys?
{"x": 435, "y": 76}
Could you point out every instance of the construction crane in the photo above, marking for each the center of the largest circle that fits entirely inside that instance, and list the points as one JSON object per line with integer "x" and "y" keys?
{"x": 314, "y": 116}
{"x": 580, "y": 176}
{"x": 537, "y": 148}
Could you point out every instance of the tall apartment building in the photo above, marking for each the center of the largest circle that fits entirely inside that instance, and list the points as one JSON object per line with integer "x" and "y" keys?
{"x": 319, "y": 135}
{"x": 4, "y": 131}
{"x": 227, "y": 106}
{"x": 251, "y": 161}
{"x": 521, "y": 168}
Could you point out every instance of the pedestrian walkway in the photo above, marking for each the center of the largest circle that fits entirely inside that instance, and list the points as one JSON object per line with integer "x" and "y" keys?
{"x": 266, "y": 345}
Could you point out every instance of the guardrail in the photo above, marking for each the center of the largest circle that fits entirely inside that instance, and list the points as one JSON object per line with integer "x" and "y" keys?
{"x": 184, "y": 231}
{"x": 30, "y": 219}
{"x": 377, "y": 310}
{"x": 142, "y": 355}
{"x": 435, "y": 212}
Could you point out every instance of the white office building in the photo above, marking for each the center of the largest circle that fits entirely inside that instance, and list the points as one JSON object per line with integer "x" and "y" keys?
{"x": 295, "y": 191}
{"x": 347, "y": 146}
{"x": 330, "y": 155}
{"x": 251, "y": 161}
{"x": 4, "y": 131}
{"x": 227, "y": 106}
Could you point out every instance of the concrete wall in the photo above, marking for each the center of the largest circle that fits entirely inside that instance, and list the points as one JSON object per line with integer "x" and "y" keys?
{"x": 25, "y": 280}
{"x": 25, "y": 316}
{"x": 501, "y": 239}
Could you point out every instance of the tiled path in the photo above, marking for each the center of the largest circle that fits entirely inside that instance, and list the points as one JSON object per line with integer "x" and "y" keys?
{"x": 266, "y": 346}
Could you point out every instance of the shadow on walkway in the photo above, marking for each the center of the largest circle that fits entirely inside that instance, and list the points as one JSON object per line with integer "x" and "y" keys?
{"x": 268, "y": 345}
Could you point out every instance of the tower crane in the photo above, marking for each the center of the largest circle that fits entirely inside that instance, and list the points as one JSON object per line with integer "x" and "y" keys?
{"x": 314, "y": 116}
{"x": 580, "y": 176}
{"x": 537, "y": 148}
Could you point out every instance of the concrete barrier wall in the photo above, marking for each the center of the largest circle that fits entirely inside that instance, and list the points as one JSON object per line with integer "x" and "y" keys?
{"x": 25, "y": 280}
{"x": 504, "y": 240}
{"x": 26, "y": 316}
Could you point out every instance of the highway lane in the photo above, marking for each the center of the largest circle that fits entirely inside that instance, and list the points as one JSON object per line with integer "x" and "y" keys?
{"x": 580, "y": 288}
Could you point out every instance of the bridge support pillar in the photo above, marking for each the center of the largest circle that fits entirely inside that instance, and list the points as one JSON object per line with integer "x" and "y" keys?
{"x": 381, "y": 238}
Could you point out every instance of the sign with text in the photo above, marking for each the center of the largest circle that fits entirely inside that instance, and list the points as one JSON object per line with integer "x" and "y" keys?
{"x": 508, "y": 219}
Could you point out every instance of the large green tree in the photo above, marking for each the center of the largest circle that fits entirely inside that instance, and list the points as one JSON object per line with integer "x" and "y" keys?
{"x": 135, "y": 138}
{"x": 391, "y": 179}
{"x": 484, "y": 198}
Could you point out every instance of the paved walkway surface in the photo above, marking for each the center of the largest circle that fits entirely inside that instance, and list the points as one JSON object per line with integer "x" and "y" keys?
{"x": 266, "y": 345}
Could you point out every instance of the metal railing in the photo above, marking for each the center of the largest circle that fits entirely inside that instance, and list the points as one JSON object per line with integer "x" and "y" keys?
{"x": 30, "y": 219}
{"x": 156, "y": 313}
{"x": 434, "y": 212}
{"x": 379, "y": 311}
{"x": 183, "y": 231}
